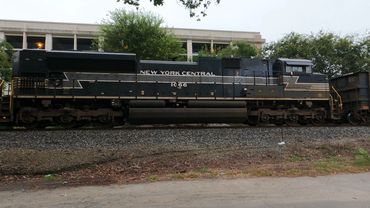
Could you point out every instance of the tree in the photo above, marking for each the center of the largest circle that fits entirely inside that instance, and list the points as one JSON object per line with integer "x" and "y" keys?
{"x": 6, "y": 51}
{"x": 293, "y": 45}
{"x": 332, "y": 55}
{"x": 140, "y": 33}
{"x": 192, "y": 5}
{"x": 237, "y": 50}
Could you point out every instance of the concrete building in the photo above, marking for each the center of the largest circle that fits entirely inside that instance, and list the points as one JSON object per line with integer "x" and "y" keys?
{"x": 77, "y": 36}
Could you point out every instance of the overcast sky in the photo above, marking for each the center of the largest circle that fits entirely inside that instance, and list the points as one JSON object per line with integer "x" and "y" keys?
{"x": 273, "y": 18}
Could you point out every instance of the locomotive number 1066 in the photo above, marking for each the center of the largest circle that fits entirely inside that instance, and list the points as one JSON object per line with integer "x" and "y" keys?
{"x": 179, "y": 84}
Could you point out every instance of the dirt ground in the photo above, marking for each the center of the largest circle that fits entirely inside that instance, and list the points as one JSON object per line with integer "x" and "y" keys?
{"x": 29, "y": 169}
{"x": 333, "y": 191}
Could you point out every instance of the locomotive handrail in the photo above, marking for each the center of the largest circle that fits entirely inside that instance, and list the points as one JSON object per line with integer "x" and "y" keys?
{"x": 340, "y": 98}
{"x": 1, "y": 87}
{"x": 11, "y": 94}
{"x": 254, "y": 77}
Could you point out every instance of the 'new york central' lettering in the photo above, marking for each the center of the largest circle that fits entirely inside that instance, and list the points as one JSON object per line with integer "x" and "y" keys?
{"x": 176, "y": 73}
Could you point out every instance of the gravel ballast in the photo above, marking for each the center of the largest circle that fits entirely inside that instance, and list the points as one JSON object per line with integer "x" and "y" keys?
{"x": 54, "y": 151}
{"x": 195, "y": 138}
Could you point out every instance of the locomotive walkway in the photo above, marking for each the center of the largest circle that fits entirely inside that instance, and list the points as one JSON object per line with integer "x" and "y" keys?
{"x": 305, "y": 192}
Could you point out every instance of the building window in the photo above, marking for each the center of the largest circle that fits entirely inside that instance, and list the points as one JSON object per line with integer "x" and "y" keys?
{"x": 219, "y": 46}
{"x": 201, "y": 46}
{"x": 15, "y": 41}
{"x": 84, "y": 44}
{"x": 63, "y": 44}
{"x": 35, "y": 42}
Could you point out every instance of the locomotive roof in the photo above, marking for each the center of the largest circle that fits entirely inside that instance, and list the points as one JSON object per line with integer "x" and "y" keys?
{"x": 167, "y": 62}
{"x": 86, "y": 54}
{"x": 304, "y": 62}
{"x": 91, "y": 54}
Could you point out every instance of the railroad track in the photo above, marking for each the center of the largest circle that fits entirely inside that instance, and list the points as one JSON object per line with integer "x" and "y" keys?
{"x": 170, "y": 126}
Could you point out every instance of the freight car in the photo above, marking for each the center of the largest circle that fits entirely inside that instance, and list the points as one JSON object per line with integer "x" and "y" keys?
{"x": 73, "y": 88}
{"x": 354, "y": 90}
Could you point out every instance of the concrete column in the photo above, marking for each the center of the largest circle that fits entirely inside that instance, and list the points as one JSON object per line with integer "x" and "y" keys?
{"x": 24, "y": 43}
{"x": 49, "y": 42}
{"x": 75, "y": 42}
{"x": 2, "y": 36}
{"x": 212, "y": 46}
{"x": 189, "y": 50}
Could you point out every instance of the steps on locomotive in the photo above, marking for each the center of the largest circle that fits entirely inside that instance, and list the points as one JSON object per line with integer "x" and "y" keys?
{"x": 5, "y": 109}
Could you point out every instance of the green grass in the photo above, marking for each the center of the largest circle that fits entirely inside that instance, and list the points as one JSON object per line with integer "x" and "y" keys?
{"x": 178, "y": 176}
{"x": 362, "y": 157}
{"x": 296, "y": 158}
{"x": 153, "y": 178}
{"x": 202, "y": 170}
{"x": 332, "y": 164}
{"x": 50, "y": 177}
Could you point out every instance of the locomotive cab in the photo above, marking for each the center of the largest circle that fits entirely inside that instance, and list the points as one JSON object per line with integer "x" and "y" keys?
{"x": 292, "y": 67}
{"x": 301, "y": 69}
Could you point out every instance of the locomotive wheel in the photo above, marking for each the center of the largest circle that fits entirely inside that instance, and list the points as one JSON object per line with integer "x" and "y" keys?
{"x": 292, "y": 119}
{"x": 105, "y": 119}
{"x": 36, "y": 125}
{"x": 354, "y": 118}
{"x": 265, "y": 118}
{"x": 253, "y": 120}
{"x": 33, "y": 126}
{"x": 318, "y": 119}
{"x": 28, "y": 118}
{"x": 67, "y": 120}
{"x": 303, "y": 121}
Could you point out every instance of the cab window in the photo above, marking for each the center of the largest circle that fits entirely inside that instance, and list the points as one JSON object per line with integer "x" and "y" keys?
{"x": 299, "y": 69}
{"x": 294, "y": 69}
{"x": 309, "y": 69}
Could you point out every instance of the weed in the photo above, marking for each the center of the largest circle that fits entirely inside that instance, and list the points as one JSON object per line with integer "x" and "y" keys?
{"x": 50, "y": 177}
{"x": 329, "y": 165}
{"x": 261, "y": 172}
{"x": 294, "y": 172}
{"x": 185, "y": 176}
{"x": 296, "y": 158}
{"x": 153, "y": 178}
{"x": 178, "y": 177}
{"x": 202, "y": 170}
{"x": 362, "y": 157}
{"x": 192, "y": 175}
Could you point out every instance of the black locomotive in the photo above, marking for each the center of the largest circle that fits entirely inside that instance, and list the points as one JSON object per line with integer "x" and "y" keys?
{"x": 72, "y": 88}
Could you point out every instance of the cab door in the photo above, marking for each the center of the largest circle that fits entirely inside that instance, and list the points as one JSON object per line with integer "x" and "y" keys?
{"x": 230, "y": 74}
{"x": 278, "y": 71}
